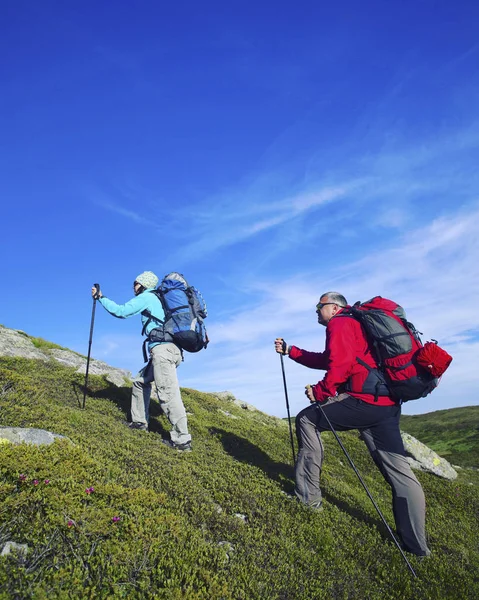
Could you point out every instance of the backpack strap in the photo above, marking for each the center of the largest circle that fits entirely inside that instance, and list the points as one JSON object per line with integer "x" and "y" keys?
{"x": 143, "y": 347}
{"x": 149, "y": 318}
{"x": 379, "y": 386}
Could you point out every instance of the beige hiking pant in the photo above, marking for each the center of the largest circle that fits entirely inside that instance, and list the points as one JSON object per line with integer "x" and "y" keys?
{"x": 164, "y": 360}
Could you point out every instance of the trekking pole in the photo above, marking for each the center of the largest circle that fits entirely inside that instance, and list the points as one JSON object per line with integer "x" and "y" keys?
{"x": 287, "y": 402}
{"x": 95, "y": 298}
{"x": 366, "y": 488}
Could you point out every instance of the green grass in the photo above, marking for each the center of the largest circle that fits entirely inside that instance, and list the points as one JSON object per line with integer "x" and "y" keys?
{"x": 175, "y": 510}
{"x": 453, "y": 433}
{"x": 40, "y": 343}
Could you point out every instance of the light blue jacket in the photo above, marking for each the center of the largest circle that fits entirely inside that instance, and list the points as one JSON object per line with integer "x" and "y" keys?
{"x": 144, "y": 301}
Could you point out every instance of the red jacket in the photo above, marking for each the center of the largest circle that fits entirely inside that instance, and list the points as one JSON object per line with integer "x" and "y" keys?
{"x": 345, "y": 342}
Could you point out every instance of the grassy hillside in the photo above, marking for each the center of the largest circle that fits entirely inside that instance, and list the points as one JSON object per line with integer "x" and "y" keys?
{"x": 453, "y": 433}
{"x": 116, "y": 514}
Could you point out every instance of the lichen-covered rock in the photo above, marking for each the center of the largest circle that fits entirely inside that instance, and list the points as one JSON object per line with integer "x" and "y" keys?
{"x": 228, "y": 547}
{"x": 227, "y": 414}
{"x": 10, "y": 547}
{"x": 424, "y": 459}
{"x": 242, "y": 517}
{"x": 228, "y": 396}
{"x": 18, "y": 343}
{"x": 118, "y": 377}
{"x": 37, "y": 437}
{"x": 225, "y": 396}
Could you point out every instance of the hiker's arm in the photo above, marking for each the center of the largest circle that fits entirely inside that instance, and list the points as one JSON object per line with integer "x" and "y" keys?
{"x": 341, "y": 358}
{"x": 313, "y": 360}
{"x": 133, "y": 307}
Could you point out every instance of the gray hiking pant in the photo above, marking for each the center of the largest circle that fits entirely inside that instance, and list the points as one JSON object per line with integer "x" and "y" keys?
{"x": 379, "y": 429}
{"x": 164, "y": 360}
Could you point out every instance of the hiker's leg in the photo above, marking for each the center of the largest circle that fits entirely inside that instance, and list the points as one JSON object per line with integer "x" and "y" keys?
{"x": 166, "y": 358}
{"x": 307, "y": 470}
{"x": 344, "y": 413}
{"x": 140, "y": 395}
{"x": 409, "y": 506}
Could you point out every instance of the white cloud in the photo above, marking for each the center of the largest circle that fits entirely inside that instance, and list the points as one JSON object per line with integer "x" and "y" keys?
{"x": 433, "y": 272}
{"x": 368, "y": 235}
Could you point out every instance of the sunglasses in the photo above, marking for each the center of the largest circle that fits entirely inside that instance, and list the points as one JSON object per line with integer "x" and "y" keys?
{"x": 320, "y": 305}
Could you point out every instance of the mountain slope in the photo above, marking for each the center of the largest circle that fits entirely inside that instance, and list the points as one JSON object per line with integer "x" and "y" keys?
{"x": 453, "y": 433}
{"x": 214, "y": 524}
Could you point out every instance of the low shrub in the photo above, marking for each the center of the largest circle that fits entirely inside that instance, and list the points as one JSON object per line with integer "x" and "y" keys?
{"x": 113, "y": 513}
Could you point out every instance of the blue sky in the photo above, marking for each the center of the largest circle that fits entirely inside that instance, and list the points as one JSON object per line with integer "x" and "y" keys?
{"x": 268, "y": 151}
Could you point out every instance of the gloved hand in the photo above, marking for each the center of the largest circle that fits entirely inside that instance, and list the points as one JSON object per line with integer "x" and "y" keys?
{"x": 281, "y": 347}
{"x": 310, "y": 394}
{"x": 96, "y": 292}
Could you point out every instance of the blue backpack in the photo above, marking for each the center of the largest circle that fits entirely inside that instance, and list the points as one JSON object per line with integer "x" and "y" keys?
{"x": 185, "y": 310}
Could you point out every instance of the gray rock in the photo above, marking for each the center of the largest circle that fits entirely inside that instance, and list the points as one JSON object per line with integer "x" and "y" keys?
{"x": 17, "y": 343}
{"x": 424, "y": 459}
{"x": 118, "y": 377}
{"x": 228, "y": 548}
{"x": 245, "y": 405}
{"x": 37, "y": 437}
{"x": 14, "y": 547}
{"x": 227, "y": 396}
{"x": 241, "y": 517}
{"x": 228, "y": 414}
{"x": 70, "y": 359}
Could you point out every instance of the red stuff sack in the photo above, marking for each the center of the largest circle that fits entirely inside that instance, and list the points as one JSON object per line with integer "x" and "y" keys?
{"x": 434, "y": 359}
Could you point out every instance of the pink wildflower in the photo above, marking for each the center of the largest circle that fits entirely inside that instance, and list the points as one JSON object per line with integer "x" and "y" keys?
{"x": 89, "y": 490}
{"x": 70, "y": 523}
{"x": 35, "y": 482}
{"x": 22, "y": 477}
{"x": 46, "y": 482}
{"x": 115, "y": 519}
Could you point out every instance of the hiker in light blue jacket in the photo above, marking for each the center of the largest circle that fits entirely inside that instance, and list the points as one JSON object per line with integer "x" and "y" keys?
{"x": 165, "y": 357}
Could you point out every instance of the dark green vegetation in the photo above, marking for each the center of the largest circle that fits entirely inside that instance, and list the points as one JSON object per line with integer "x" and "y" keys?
{"x": 155, "y": 524}
{"x": 453, "y": 433}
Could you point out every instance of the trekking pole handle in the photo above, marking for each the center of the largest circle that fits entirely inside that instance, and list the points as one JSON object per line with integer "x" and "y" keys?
{"x": 284, "y": 346}
{"x": 97, "y": 287}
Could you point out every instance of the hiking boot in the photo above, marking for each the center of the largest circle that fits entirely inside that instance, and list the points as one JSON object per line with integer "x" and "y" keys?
{"x": 135, "y": 425}
{"x": 186, "y": 447}
{"x": 317, "y": 505}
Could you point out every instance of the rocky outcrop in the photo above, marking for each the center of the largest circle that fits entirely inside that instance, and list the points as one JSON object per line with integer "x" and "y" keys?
{"x": 9, "y": 547}
{"x": 229, "y": 397}
{"x": 424, "y": 459}
{"x": 37, "y": 437}
{"x": 18, "y": 343}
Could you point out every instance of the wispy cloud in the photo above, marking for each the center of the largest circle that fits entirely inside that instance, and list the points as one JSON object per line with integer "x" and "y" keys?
{"x": 124, "y": 212}
{"x": 241, "y": 217}
{"x": 433, "y": 271}
{"x": 410, "y": 173}
{"x": 404, "y": 227}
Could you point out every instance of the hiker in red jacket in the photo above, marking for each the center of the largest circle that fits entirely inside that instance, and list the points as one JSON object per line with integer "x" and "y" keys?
{"x": 351, "y": 397}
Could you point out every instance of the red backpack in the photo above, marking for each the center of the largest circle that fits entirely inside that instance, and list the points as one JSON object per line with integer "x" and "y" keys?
{"x": 411, "y": 370}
